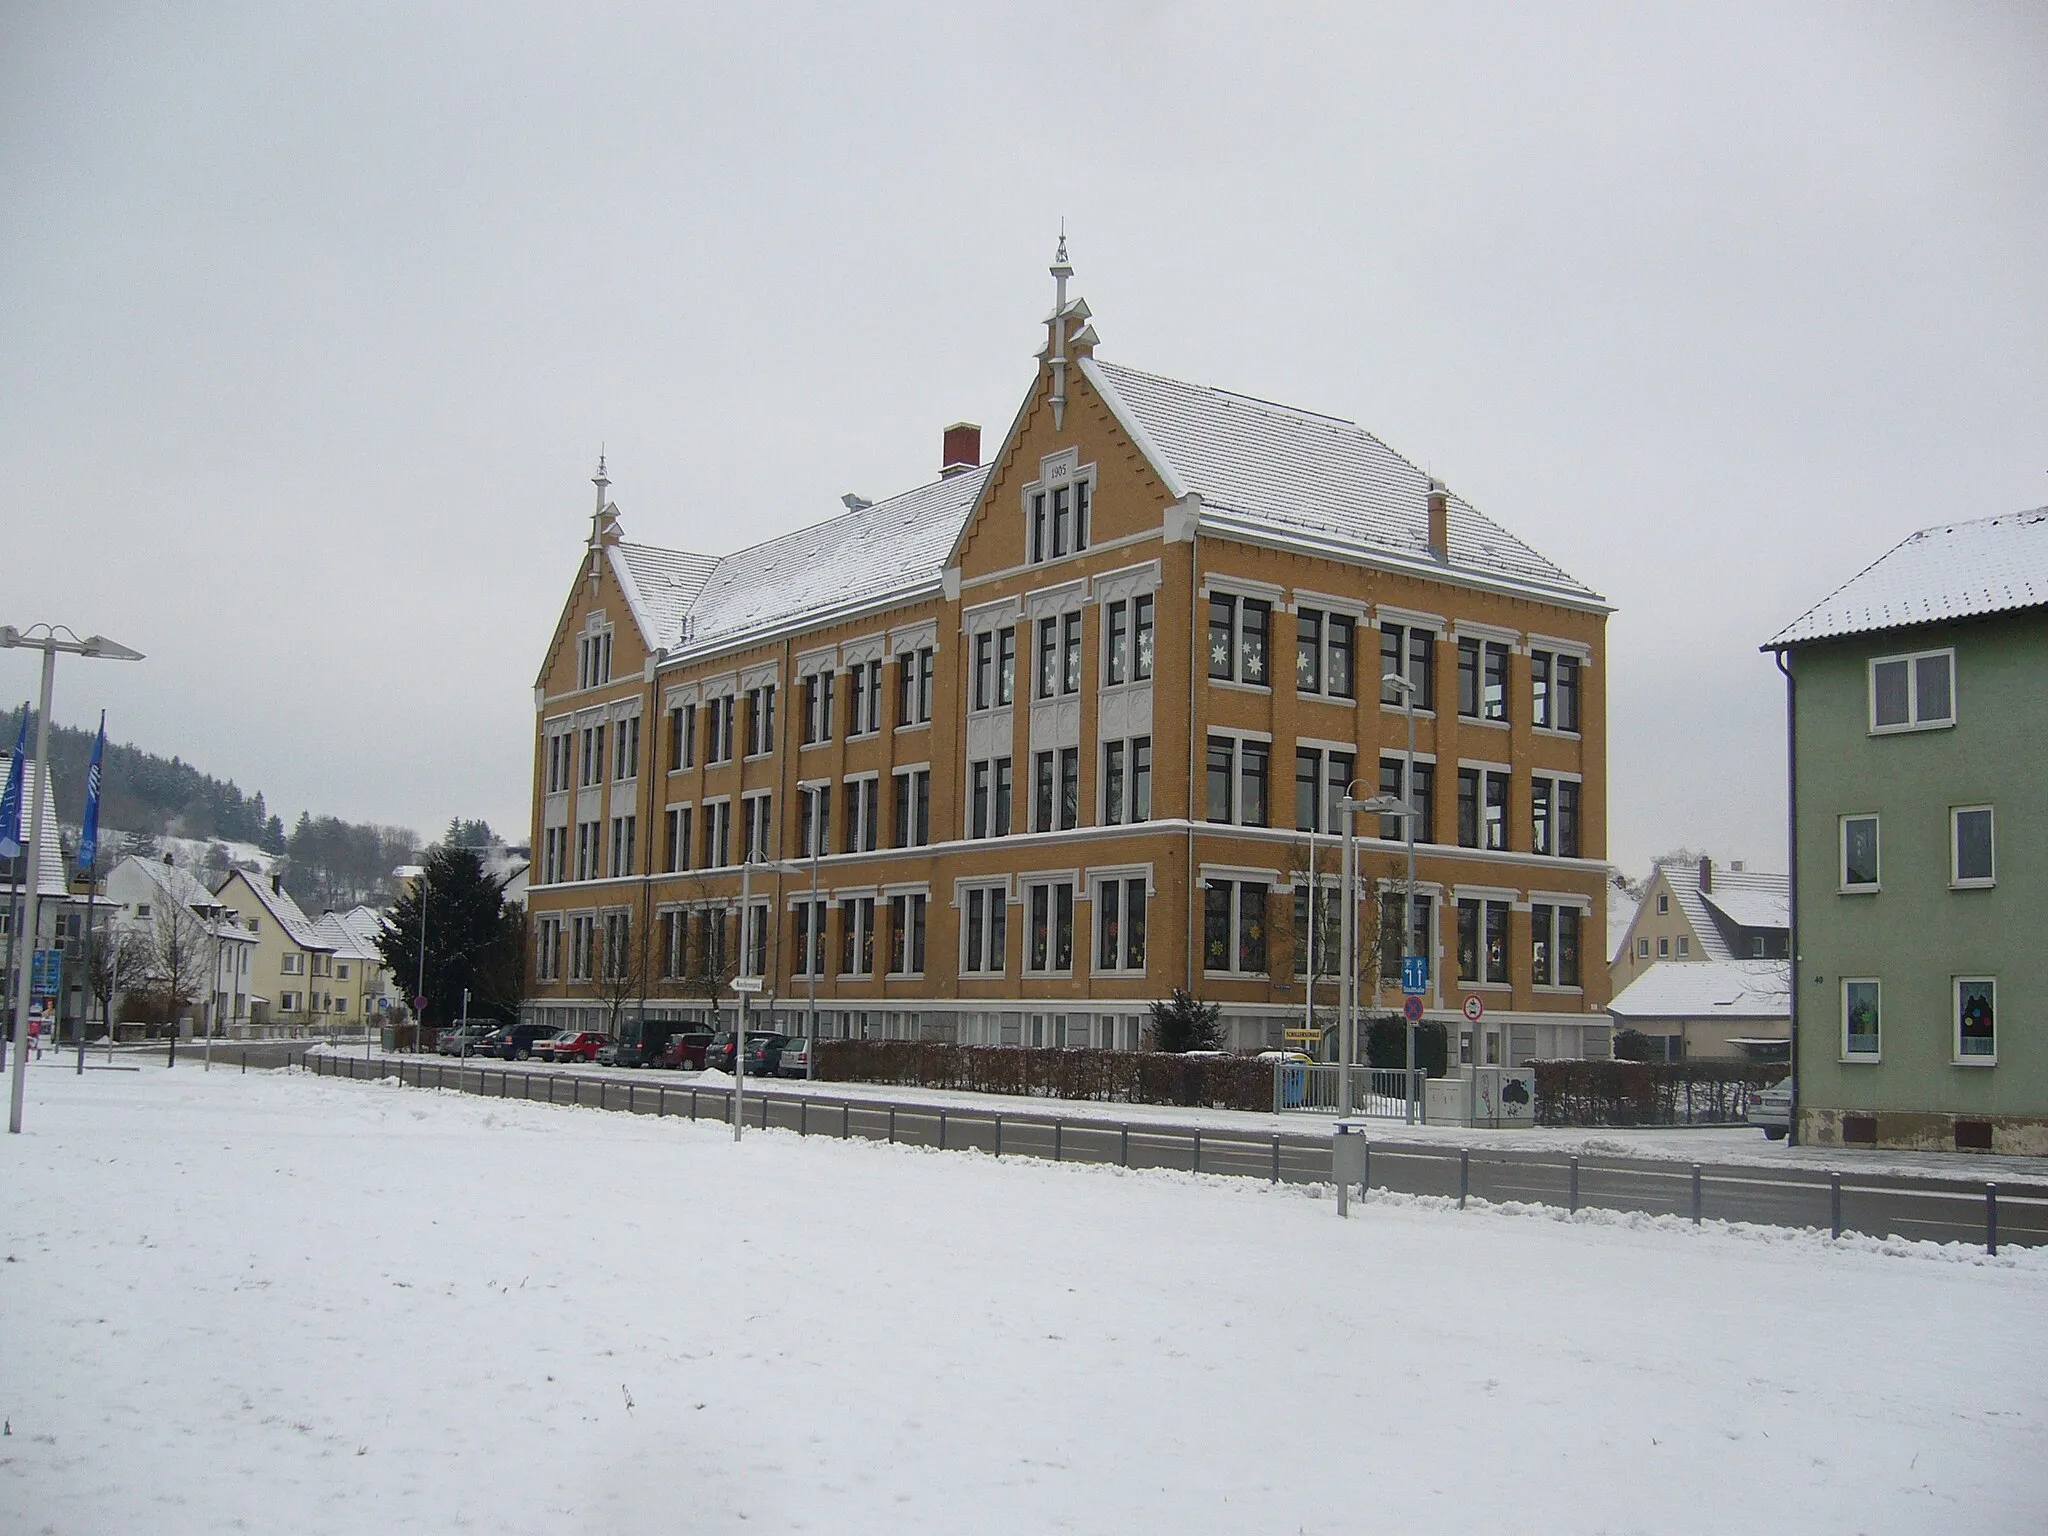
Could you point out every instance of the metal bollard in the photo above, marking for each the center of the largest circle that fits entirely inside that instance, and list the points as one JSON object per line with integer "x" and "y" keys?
{"x": 660, "y": 1101}
{"x": 632, "y": 1097}
{"x": 1464, "y": 1175}
{"x": 803, "y": 1117}
{"x": 1835, "y": 1201}
{"x": 942, "y": 1130}
{"x": 999, "y": 1135}
{"x": 892, "y": 1124}
{"x": 1365, "y": 1172}
{"x": 1276, "y": 1158}
{"x": 845, "y": 1121}
{"x": 1198, "y": 1151}
{"x": 1991, "y": 1219}
{"x": 1695, "y": 1194}
{"x": 1124, "y": 1148}
{"x": 245, "y": 1062}
{"x": 764, "y": 1111}
{"x": 1058, "y": 1155}
{"x": 1574, "y": 1206}
{"x": 693, "y": 1103}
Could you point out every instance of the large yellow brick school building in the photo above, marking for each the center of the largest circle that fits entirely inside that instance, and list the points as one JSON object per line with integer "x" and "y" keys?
{"x": 1018, "y": 752}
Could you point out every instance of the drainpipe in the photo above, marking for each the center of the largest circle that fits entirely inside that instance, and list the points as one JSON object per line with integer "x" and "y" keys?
{"x": 1792, "y": 862}
{"x": 1196, "y": 667}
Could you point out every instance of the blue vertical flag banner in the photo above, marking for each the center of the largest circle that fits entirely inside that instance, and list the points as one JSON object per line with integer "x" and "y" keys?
{"x": 10, "y": 801}
{"x": 89, "y": 829}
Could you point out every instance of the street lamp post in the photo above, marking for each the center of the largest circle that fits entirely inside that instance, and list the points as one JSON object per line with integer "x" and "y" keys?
{"x": 49, "y": 639}
{"x": 813, "y": 939}
{"x": 1407, "y": 688}
{"x": 746, "y": 984}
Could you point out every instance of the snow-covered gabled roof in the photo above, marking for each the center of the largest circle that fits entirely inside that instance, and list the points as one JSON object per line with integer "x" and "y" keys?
{"x": 1752, "y": 906}
{"x": 365, "y": 925}
{"x": 660, "y": 585}
{"x": 888, "y": 550}
{"x": 1269, "y": 469}
{"x": 335, "y": 934}
{"x": 1708, "y": 989}
{"x": 285, "y": 912}
{"x": 1954, "y": 571}
{"x": 176, "y": 884}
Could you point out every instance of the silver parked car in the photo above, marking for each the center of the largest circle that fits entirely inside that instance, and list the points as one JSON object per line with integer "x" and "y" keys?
{"x": 1770, "y": 1109}
{"x": 796, "y": 1058}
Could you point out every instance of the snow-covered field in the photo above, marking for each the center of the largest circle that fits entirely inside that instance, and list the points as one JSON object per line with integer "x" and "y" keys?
{"x": 277, "y": 1303}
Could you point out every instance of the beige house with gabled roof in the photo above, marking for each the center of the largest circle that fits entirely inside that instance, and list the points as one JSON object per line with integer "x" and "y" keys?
{"x": 1704, "y": 911}
{"x": 293, "y": 986}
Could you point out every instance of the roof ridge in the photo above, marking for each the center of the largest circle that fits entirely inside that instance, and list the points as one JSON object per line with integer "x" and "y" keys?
{"x": 1238, "y": 394}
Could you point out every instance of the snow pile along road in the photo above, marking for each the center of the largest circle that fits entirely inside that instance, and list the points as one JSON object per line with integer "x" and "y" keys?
{"x": 277, "y": 1303}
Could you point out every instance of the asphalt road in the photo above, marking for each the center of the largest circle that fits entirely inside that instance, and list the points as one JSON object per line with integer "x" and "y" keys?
{"x": 1939, "y": 1208}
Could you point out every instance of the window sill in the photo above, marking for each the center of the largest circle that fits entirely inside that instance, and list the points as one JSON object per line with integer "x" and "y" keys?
{"x": 686, "y": 768}
{"x": 1556, "y": 733}
{"x": 915, "y": 725}
{"x": 1388, "y": 707}
{"x": 1048, "y": 975}
{"x": 1861, "y": 1059}
{"x": 983, "y": 975}
{"x": 874, "y": 735}
{"x": 1484, "y": 724}
{"x": 1859, "y": 890}
{"x": 813, "y": 746}
{"x": 1236, "y": 687}
{"x": 1973, "y": 1061}
{"x": 1126, "y": 684}
{"x": 1907, "y": 730}
{"x": 1548, "y": 989}
{"x": 1973, "y": 885}
{"x": 1340, "y": 701}
{"x": 755, "y": 757}
{"x": 904, "y": 976}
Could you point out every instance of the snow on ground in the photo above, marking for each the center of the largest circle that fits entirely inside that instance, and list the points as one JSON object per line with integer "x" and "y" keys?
{"x": 281, "y": 1303}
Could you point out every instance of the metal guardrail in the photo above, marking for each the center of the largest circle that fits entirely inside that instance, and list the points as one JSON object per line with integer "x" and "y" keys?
{"x": 1882, "y": 1206}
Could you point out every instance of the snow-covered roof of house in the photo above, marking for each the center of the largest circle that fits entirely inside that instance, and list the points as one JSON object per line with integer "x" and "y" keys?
{"x": 1766, "y": 902}
{"x": 177, "y": 885}
{"x": 364, "y": 925}
{"x": 1954, "y": 571}
{"x": 1265, "y": 468}
{"x": 1262, "y": 471}
{"x": 1708, "y": 989}
{"x": 277, "y": 901}
{"x": 48, "y": 844}
{"x": 335, "y": 933}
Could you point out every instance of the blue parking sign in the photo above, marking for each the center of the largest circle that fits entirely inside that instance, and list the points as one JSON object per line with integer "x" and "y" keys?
{"x": 1414, "y": 974}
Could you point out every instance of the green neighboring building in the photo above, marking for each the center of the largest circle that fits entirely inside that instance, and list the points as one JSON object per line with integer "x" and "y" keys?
{"x": 1917, "y": 697}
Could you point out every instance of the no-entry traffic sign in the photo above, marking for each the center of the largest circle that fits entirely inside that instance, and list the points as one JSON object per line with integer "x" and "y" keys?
{"x": 1475, "y": 1008}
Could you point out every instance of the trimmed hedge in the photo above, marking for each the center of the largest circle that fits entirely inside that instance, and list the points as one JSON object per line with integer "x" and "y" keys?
{"x": 1118, "y": 1077}
{"x": 1648, "y": 1092}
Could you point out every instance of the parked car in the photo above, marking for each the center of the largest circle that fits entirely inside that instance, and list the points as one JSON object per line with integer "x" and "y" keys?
{"x": 464, "y": 1040}
{"x": 574, "y": 1045}
{"x": 796, "y": 1058}
{"x": 516, "y": 1042}
{"x": 685, "y": 1050}
{"x": 608, "y": 1054}
{"x": 764, "y": 1053}
{"x": 719, "y": 1050}
{"x": 719, "y": 1053}
{"x": 1770, "y": 1109}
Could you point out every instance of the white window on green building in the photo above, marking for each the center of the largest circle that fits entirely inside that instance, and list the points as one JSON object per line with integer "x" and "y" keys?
{"x": 1859, "y": 853}
{"x": 1862, "y": 1016}
{"x": 1972, "y": 864}
{"x": 1913, "y": 693}
{"x": 1976, "y": 1000}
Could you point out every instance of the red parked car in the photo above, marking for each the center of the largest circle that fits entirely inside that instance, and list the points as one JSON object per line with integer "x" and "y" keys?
{"x": 686, "y": 1051}
{"x": 574, "y": 1045}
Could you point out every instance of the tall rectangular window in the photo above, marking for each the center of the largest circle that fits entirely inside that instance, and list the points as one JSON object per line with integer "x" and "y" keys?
{"x": 1494, "y": 682}
{"x": 1322, "y": 653}
{"x": 1976, "y": 1014}
{"x": 1041, "y": 791}
{"x": 1553, "y": 945}
{"x": 1393, "y": 904}
{"x": 1859, "y": 853}
{"x": 1554, "y": 690}
{"x": 1116, "y": 643}
{"x": 682, "y": 737}
{"x": 914, "y": 687}
{"x": 1409, "y": 653}
{"x": 862, "y": 814}
{"x": 678, "y": 838}
{"x": 810, "y": 938}
{"x": 757, "y": 817}
{"x": 1238, "y": 628}
{"x": 1048, "y": 658}
{"x": 1483, "y": 942}
{"x": 1542, "y": 822}
{"x": 1113, "y": 757}
{"x": 906, "y": 934}
{"x": 626, "y": 759}
{"x": 817, "y": 708}
{"x": 995, "y": 668}
{"x": 1070, "y": 788}
{"x": 761, "y": 720}
{"x": 986, "y": 930}
{"x": 1862, "y": 1019}
{"x": 1565, "y": 687}
{"x": 857, "y": 936}
{"x": 1120, "y": 924}
{"x": 1070, "y": 652}
{"x": 913, "y": 828}
{"x": 1972, "y": 858}
{"x": 1234, "y": 926}
{"x": 1050, "y": 946}
{"x": 718, "y": 834}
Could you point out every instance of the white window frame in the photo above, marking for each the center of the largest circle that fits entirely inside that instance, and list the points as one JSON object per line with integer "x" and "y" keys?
{"x": 1875, "y": 1054}
{"x": 1955, "y": 1005}
{"x": 757, "y": 806}
{"x": 1270, "y": 599}
{"x": 1913, "y": 720}
{"x": 1237, "y": 888}
{"x": 1956, "y": 879}
{"x": 1051, "y": 885}
{"x": 1843, "y": 886}
{"x": 809, "y": 934}
{"x": 995, "y": 905}
{"x": 1325, "y": 614}
{"x": 1123, "y": 879}
{"x": 1237, "y": 740}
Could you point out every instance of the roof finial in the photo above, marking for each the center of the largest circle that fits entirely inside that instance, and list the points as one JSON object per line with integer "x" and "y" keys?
{"x": 601, "y": 480}
{"x": 1061, "y": 271}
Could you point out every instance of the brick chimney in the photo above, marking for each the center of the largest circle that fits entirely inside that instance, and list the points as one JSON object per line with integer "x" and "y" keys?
{"x": 962, "y": 449}
{"x": 1439, "y": 520}
{"x": 1706, "y": 874}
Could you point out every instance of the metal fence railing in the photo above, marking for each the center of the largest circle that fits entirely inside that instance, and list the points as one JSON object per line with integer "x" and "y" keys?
{"x": 1380, "y": 1093}
{"x": 1940, "y": 1209}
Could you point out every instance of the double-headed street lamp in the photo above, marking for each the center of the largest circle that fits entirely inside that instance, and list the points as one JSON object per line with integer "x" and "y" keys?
{"x": 747, "y": 984}
{"x": 49, "y": 639}
{"x": 1347, "y": 993}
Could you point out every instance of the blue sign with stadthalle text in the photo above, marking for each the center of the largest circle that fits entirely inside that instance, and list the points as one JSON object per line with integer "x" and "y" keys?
{"x": 1414, "y": 974}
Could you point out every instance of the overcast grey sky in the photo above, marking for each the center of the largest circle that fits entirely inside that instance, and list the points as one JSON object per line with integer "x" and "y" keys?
{"x": 314, "y": 319}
